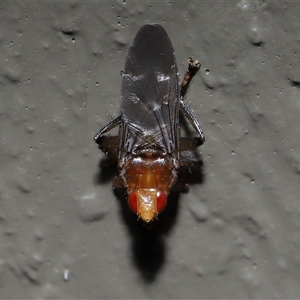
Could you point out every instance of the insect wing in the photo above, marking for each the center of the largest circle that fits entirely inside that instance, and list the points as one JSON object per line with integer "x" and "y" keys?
{"x": 150, "y": 93}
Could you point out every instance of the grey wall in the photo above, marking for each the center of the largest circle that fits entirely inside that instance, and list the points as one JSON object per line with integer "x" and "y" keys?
{"x": 65, "y": 234}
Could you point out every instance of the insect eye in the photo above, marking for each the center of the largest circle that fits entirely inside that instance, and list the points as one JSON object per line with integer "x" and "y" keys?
{"x": 161, "y": 201}
{"x": 132, "y": 202}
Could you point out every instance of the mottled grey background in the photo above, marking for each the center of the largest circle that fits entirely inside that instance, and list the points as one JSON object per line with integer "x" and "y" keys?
{"x": 65, "y": 234}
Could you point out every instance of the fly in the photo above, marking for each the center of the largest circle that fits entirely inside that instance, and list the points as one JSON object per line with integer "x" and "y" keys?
{"x": 149, "y": 144}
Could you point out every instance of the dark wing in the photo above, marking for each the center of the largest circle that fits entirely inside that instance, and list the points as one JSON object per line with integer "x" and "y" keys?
{"x": 149, "y": 94}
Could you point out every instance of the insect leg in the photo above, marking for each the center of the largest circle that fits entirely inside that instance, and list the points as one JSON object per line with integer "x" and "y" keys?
{"x": 193, "y": 68}
{"x": 115, "y": 122}
{"x": 187, "y": 144}
{"x": 190, "y": 171}
{"x": 118, "y": 182}
{"x": 191, "y": 162}
{"x": 108, "y": 144}
{"x": 192, "y": 119}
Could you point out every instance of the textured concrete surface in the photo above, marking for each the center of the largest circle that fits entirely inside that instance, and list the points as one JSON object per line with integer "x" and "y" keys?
{"x": 65, "y": 234}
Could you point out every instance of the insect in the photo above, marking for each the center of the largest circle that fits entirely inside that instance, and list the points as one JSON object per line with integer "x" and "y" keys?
{"x": 149, "y": 144}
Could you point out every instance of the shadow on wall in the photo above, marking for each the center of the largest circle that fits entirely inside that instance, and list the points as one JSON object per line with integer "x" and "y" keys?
{"x": 148, "y": 242}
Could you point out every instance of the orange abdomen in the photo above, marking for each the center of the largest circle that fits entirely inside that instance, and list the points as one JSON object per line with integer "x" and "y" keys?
{"x": 146, "y": 173}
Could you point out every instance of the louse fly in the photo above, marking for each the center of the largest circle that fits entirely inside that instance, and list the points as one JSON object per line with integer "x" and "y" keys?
{"x": 149, "y": 144}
